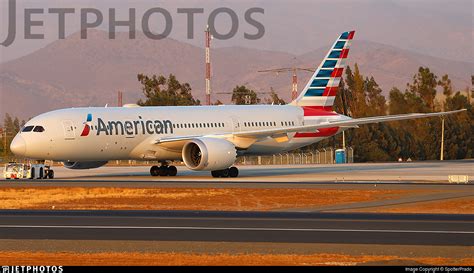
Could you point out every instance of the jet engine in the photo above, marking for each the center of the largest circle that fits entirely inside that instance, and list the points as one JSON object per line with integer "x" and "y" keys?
{"x": 84, "y": 164}
{"x": 209, "y": 154}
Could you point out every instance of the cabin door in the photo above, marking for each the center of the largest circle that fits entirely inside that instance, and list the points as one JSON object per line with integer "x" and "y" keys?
{"x": 69, "y": 131}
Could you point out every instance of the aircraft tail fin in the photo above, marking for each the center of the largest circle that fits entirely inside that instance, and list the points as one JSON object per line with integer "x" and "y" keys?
{"x": 320, "y": 91}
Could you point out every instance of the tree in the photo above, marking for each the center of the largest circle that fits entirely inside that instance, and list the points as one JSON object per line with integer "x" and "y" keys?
{"x": 424, "y": 86}
{"x": 445, "y": 83}
{"x": 357, "y": 85}
{"x": 11, "y": 126}
{"x": 243, "y": 95}
{"x": 218, "y": 102}
{"x": 159, "y": 91}
{"x": 375, "y": 100}
{"x": 397, "y": 102}
{"x": 274, "y": 98}
{"x": 459, "y": 141}
{"x": 340, "y": 102}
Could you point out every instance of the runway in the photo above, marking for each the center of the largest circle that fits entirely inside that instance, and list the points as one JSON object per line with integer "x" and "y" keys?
{"x": 426, "y": 172}
{"x": 211, "y": 226}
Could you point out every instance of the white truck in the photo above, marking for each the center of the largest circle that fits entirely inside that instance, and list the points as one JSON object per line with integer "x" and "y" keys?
{"x": 15, "y": 170}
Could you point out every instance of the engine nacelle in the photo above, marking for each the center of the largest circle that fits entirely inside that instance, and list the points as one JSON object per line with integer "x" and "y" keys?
{"x": 209, "y": 154}
{"x": 84, "y": 164}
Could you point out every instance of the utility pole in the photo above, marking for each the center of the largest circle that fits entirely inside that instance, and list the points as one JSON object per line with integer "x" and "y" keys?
{"x": 294, "y": 86}
{"x": 119, "y": 98}
{"x": 5, "y": 142}
{"x": 208, "y": 65}
{"x": 442, "y": 138}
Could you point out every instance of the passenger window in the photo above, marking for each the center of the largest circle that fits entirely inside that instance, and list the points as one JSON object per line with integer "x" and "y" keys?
{"x": 38, "y": 129}
{"x": 28, "y": 129}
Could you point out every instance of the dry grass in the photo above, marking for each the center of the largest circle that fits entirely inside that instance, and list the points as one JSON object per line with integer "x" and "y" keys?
{"x": 461, "y": 205}
{"x": 183, "y": 199}
{"x": 136, "y": 258}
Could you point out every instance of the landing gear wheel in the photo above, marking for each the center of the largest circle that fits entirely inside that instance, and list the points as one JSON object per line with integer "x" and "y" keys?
{"x": 163, "y": 171}
{"x": 40, "y": 173}
{"x": 225, "y": 173}
{"x": 233, "y": 172}
{"x": 51, "y": 174}
{"x": 172, "y": 170}
{"x": 154, "y": 171}
{"x": 216, "y": 174}
{"x": 229, "y": 172}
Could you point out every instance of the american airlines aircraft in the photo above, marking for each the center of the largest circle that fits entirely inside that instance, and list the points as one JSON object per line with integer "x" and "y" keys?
{"x": 206, "y": 138}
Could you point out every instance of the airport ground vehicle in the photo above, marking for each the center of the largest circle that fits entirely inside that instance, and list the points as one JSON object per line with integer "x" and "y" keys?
{"x": 15, "y": 170}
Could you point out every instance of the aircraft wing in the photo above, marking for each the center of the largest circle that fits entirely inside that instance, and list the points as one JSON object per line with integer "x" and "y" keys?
{"x": 281, "y": 133}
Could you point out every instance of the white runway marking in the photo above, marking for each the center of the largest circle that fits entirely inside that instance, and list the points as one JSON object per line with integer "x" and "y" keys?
{"x": 247, "y": 229}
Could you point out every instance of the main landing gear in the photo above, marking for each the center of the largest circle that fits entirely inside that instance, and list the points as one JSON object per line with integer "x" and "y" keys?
{"x": 229, "y": 172}
{"x": 163, "y": 170}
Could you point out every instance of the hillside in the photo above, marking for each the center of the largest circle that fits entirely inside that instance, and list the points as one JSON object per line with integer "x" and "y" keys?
{"x": 74, "y": 72}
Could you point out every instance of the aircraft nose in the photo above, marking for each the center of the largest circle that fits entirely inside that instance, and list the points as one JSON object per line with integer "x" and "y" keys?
{"x": 18, "y": 146}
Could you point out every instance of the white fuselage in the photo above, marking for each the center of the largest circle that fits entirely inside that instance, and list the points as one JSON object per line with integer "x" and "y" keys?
{"x": 131, "y": 132}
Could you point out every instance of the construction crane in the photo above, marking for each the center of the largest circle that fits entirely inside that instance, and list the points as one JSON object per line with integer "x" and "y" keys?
{"x": 294, "y": 87}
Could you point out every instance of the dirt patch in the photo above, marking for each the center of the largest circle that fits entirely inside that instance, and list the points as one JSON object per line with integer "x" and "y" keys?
{"x": 101, "y": 198}
{"x": 137, "y": 258}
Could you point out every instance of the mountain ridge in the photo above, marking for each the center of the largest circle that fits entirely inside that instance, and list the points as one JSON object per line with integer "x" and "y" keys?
{"x": 75, "y": 72}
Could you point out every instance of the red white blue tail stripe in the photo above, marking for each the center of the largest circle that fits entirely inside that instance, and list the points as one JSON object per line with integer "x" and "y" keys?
{"x": 321, "y": 89}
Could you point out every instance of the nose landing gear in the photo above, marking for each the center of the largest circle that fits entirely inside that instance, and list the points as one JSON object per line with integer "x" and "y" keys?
{"x": 163, "y": 170}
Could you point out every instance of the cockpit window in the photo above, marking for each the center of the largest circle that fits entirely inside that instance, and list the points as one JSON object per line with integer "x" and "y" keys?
{"x": 28, "y": 129}
{"x": 38, "y": 129}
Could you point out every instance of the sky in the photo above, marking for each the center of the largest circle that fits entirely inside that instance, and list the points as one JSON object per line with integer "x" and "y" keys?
{"x": 438, "y": 28}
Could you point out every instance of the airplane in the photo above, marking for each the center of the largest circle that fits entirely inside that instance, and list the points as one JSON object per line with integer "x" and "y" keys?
{"x": 205, "y": 138}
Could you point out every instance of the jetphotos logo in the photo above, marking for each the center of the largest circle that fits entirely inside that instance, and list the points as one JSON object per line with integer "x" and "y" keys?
{"x": 33, "y": 20}
{"x": 87, "y": 126}
{"x": 32, "y": 269}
